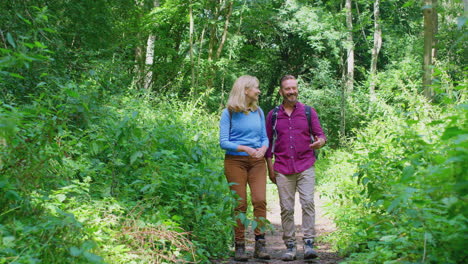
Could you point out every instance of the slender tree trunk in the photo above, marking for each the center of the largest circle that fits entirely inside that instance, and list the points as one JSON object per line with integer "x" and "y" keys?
{"x": 225, "y": 31}
{"x": 213, "y": 32}
{"x": 150, "y": 56}
{"x": 138, "y": 68}
{"x": 436, "y": 29}
{"x": 214, "y": 40}
{"x": 211, "y": 45}
{"x": 192, "y": 65}
{"x": 343, "y": 102}
{"x": 350, "y": 50}
{"x": 199, "y": 56}
{"x": 240, "y": 17}
{"x": 139, "y": 61}
{"x": 376, "y": 48}
{"x": 430, "y": 25}
{"x": 149, "y": 61}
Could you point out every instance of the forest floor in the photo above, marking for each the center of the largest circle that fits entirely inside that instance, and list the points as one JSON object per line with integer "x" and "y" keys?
{"x": 275, "y": 244}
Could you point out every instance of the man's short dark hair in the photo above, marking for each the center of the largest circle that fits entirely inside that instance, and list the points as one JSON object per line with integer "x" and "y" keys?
{"x": 286, "y": 77}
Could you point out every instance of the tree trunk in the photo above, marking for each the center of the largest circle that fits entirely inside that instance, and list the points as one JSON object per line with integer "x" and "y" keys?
{"x": 139, "y": 61}
{"x": 213, "y": 32}
{"x": 149, "y": 61}
{"x": 150, "y": 56}
{"x": 214, "y": 40}
{"x": 430, "y": 28}
{"x": 350, "y": 50}
{"x": 376, "y": 48}
{"x": 225, "y": 31}
{"x": 343, "y": 94}
{"x": 191, "y": 44}
{"x": 436, "y": 29}
{"x": 200, "y": 47}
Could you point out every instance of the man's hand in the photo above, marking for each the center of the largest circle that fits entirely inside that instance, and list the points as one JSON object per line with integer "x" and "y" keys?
{"x": 271, "y": 171}
{"x": 272, "y": 176}
{"x": 318, "y": 143}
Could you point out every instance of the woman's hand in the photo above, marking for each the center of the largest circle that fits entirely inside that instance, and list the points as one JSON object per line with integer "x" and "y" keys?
{"x": 254, "y": 153}
{"x": 261, "y": 152}
{"x": 251, "y": 151}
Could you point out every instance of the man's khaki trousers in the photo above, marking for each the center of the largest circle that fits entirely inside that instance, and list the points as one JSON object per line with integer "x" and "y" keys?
{"x": 304, "y": 183}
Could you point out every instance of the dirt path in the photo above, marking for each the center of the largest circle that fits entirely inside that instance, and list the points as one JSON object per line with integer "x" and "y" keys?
{"x": 275, "y": 243}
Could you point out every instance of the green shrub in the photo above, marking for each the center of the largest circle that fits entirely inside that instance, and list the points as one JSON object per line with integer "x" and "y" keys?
{"x": 117, "y": 179}
{"x": 406, "y": 199}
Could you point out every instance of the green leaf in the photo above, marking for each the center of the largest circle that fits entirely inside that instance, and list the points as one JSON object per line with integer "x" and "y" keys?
{"x": 408, "y": 171}
{"x": 40, "y": 45}
{"x": 11, "y": 40}
{"x": 146, "y": 187}
{"x": 94, "y": 148}
{"x": 135, "y": 156}
{"x": 254, "y": 224}
{"x": 93, "y": 258}
{"x": 49, "y": 30}
{"x": 177, "y": 218}
{"x": 393, "y": 205}
{"x": 452, "y": 132}
{"x": 13, "y": 195}
{"x": 74, "y": 251}
{"x": 16, "y": 75}
{"x": 24, "y": 19}
{"x": 29, "y": 45}
{"x": 61, "y": 197}
{"x": 365, "y": 180}
{"x": 41, "y": 84}
{"x": 388, "y": 238}
{"x": 8, "y": 241}
{"x": 408, "y": 4}
{"x": 72, "y": 93}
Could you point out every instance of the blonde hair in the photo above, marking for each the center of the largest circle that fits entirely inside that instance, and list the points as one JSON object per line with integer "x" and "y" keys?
{"x": 236, "y": 101}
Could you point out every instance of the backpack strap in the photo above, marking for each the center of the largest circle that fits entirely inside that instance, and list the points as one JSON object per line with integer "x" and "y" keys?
{"x": 308, "y": 111}
{"x": 230, "y": 121}
{"x": 274, "y": 119}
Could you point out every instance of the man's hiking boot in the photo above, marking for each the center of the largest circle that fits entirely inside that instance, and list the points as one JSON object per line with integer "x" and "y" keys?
{"x": 309, "y": 252}
{"x": 291, "y": 252}
{"x": 240, "y": 255}
{"x": 260, "y": 249}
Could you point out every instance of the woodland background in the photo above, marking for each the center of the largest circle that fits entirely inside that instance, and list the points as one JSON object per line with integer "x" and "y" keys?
{"x": 109, "y": 114}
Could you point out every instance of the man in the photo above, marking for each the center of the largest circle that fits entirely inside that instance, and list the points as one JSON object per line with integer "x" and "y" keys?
{"x": 294, "y": 164}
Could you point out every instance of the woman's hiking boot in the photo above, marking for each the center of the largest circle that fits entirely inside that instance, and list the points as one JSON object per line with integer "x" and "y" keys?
{"x": 260, "y": 249}
{"x": 309, "y": 252}
{"x": 240, "y": 255}
{"x": 291, "y": 252}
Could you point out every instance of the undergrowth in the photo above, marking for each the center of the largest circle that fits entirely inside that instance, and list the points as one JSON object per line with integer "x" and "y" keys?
{"x": 123, "y": 179}
{"x": 399, "y": 189}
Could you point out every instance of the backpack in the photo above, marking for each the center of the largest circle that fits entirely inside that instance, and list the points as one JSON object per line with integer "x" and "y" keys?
{"x": 274, "y": 118}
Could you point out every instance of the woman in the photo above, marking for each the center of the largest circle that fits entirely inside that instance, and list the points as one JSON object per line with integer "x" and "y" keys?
{"x": 243, "y": 136}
